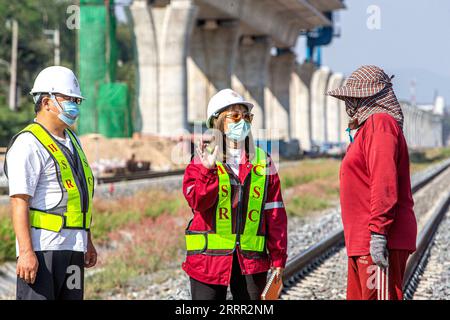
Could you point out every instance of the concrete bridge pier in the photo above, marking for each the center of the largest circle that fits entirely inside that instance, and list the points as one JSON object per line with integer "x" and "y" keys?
{"x": 418, "y": 134}
{"x": 278, "y": 94}
{"x": 413, "y": 129}
{"x": 431, "y": 129}
{"x": 332, "y": 110}
{"x": 318, "y": 102}
{"x": 251, "y": 75}
{"x": 213, "y": 50}
{"x": 147, "y": 71}
{"x": 163, "y": 30}
{"x": 438, "y": 130}
{"x": 343, "y": 122}
{"x": 406, "y": 123}
{"x": 300, "y": 111}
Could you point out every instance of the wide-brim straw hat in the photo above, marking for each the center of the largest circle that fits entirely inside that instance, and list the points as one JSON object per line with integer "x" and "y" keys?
{"x": 366, "y": 81}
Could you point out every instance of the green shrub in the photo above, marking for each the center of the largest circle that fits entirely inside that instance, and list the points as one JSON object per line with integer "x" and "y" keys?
{"x": 7, "y": 240}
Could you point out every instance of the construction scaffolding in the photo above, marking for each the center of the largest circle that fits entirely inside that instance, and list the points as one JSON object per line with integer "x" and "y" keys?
{"x": 97, "y": 60}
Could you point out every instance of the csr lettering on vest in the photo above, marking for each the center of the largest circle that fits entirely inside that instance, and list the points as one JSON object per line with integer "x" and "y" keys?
{"x": 250, "y": 215}
{"x": 225, "y": 191}
{"x": 256, "y": 192}
{"x": 255, "y": 170}
{"x": 69, "y": 183}
{"x": 80, "y": 212}
{"x": 223, "y": 240}
{"x": 85, "y": 163}
{"x": 223, "y": 213}
{"x": 64, "y": 164}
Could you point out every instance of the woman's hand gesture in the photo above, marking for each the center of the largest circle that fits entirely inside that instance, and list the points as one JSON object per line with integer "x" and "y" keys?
{"x": 208, "y": 159}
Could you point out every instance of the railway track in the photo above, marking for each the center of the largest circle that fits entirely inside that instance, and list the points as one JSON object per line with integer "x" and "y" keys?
{"x": 143, "y": 175}
{"x": 320, "y": 271}
{"x": 139, "y": 176}
{"x": 160, "y": 174}
{"x": 418, "y": 261}
{"x": 434, "y": 276}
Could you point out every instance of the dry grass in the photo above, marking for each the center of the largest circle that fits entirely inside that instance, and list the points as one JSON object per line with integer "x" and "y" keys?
{"x": 421, "y": 160}
{"x": 147, "y": 230}
{"x": 149, "y": 233}
{"x": 113, "y": 214}
{"x": 7, "y": 237}
{"x": 144, "y": 233}
{"x": 310, "y": 186}
{"x": 146, "y": 246}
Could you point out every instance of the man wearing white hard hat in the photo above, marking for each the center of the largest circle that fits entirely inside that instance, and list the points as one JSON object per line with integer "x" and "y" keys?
{"x": 51, "y": 188}
{"x": 239, "y": 227}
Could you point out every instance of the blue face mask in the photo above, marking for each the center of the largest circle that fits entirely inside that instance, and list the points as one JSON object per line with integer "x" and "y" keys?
{"x": 69, "y": 111}
{"x": 238, "y": 131}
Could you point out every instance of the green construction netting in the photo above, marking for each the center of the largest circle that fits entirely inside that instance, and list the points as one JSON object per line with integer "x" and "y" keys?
{"x": 88, "y": 2}
{"x": 113, "y": 48}
{"x": 114, "y": 111}
{"x": 97, "y": 58}
{"x": 92, "y": 62}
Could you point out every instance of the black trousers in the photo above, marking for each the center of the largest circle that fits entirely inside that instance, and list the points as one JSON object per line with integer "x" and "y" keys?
{"x": 60, "y": 276}
{"x": 242, "y": 287}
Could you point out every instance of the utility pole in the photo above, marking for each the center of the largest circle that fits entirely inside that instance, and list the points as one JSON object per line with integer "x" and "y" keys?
{"x": 57, "y": 50}
{"x": 55, "y": 40}
{"x": 13, "y": 66}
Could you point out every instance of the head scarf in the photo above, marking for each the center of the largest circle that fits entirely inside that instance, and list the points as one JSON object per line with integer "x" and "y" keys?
{"x": 367, "y": 91}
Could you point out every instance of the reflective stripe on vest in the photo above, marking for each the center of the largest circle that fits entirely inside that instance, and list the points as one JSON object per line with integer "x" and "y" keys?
{"x": 223, "y": 238}
{"x": 88, "y": 176}
{"x": 250, "y": 240}
{"x": 73, "y": 217}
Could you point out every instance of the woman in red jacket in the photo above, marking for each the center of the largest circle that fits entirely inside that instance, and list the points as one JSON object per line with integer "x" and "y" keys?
{"x": 239, "y": 228}
{"x": 375, "y": 188}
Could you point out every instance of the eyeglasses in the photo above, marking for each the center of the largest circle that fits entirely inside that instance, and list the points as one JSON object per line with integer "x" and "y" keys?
{"x": 236, "y": 116}
{"x": 73, "y": 99}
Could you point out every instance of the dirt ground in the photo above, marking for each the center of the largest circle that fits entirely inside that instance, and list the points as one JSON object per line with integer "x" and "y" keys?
{"x": 163, "y": 153}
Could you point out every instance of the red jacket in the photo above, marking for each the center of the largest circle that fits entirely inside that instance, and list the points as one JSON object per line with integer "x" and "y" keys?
{"x": 200, "y": 188}
{"x": 375, "y": 188}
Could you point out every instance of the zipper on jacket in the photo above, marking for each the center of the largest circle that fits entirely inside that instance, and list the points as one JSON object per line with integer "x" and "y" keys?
{"x": 240, "y": 202}
{"x": 240, "y": 209}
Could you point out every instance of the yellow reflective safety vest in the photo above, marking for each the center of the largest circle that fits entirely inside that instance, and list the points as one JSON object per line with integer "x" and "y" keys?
{"x": 79, "y": 209}
{"x": 222, "y": 240}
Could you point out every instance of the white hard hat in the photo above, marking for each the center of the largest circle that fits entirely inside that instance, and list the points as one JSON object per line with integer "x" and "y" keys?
{"x": 222, "y": 99}
{"x": 57, "y": 79}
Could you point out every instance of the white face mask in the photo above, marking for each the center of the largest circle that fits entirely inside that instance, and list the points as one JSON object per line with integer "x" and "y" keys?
{"x": 238, "y": 131}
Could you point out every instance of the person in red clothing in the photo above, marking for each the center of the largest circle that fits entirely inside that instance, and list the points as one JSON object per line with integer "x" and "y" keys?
{"x": 375, "y": 189}
{"x": 239, "y": 226}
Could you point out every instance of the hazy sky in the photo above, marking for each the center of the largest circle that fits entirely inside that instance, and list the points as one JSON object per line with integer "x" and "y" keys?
{"x": 413, "y": 42}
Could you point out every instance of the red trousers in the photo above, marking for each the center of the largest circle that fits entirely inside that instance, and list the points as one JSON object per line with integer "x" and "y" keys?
{"x": 367, "y": 281}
